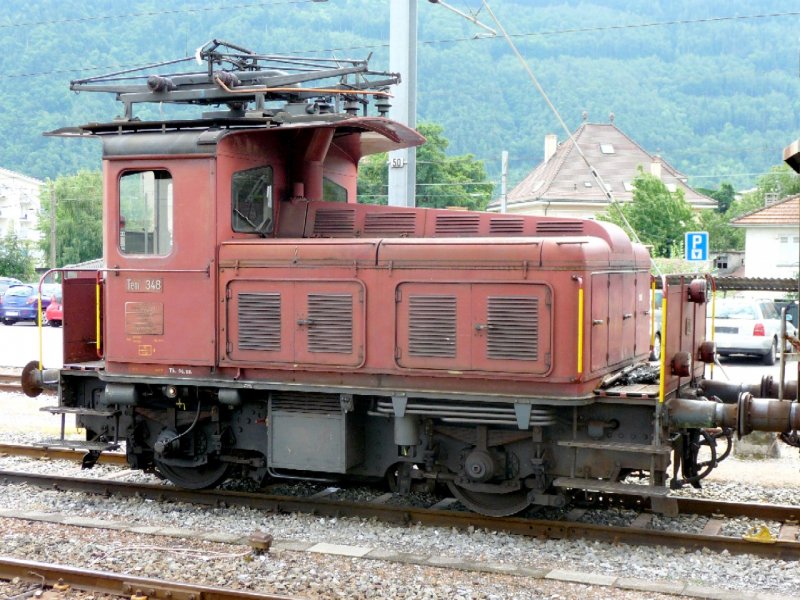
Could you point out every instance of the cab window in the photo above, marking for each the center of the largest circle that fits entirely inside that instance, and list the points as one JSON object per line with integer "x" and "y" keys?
{"x": 251, "y": 198}
{"x": 333, "y": 192}
{"x": 145, "y": 212}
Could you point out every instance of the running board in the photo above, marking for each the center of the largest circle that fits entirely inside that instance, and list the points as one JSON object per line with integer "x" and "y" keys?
{"x": 56, "y": 443}
{"x": 616, "y": 447}
{"x": 71, "y": 410}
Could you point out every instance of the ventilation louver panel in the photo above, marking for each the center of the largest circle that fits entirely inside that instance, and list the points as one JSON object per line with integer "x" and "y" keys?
{"x": 432, "y": 326}
{"x": 330, "y": 323}
{"x": 506, "y": 226}
{"x": 513, "y": 331}
{"x": 306, "y": 403}
{"x": 559, "y": 228}
{"x": 458, "y": 224}
{"x": 390, "y": 223}
{"x": 329, "y": 223}
{"x": 259, "y": 320}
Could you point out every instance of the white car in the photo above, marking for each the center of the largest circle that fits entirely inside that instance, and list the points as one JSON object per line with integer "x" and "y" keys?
{"x": 743, "y": 326}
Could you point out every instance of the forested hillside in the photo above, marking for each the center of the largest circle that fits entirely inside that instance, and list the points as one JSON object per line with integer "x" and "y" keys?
{"x": 711, "y": 86}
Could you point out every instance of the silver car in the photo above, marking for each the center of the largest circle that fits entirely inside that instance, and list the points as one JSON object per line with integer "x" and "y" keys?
{"x": 743, "y": 326}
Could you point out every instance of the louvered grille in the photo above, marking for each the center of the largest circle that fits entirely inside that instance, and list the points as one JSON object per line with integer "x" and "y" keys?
{"x": 389, "y": 223}
{"x": 513, "y": 328}
{"x": 330, "y": 327}
{"x": 259, "y": 320}
{"x": 559, "y": 228}
{"x": 432, "y": 326}
{"x": 457, "y": 224}
{"x": 506, "y": 226}
{"x": 306, "y": 403}
{"x": 334, "y": 222}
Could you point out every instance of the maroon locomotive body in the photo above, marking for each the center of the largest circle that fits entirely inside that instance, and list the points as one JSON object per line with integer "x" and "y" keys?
{"x": 255, "y": 320}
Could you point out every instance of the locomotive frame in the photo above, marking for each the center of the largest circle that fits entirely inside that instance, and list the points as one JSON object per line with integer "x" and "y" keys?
{"x": 253, "y": 320}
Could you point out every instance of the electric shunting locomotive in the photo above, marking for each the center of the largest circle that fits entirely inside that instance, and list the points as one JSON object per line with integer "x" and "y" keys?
{"x": 251, "y": 319}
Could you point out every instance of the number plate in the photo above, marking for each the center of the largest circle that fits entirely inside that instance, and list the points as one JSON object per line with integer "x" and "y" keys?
{"x": 12, "y": 313}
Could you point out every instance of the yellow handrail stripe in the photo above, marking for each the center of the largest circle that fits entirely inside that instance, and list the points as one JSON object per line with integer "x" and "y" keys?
{"x": 39, "y": 323}
{"x": 663, "y": 359}
{"x": 580, "y": 330}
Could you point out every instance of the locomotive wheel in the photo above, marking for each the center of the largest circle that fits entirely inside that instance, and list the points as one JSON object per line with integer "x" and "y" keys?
{"x": 493, "y": 505}
{"x": 194, "y": 478}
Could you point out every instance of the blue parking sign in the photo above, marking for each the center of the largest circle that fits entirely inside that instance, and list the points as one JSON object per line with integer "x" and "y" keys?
{"x": 696, "y": 244}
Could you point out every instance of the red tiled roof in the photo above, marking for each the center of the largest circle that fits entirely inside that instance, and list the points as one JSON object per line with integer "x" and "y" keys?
{"x": 567, "y": 178}
{"x": 783, "y": 212}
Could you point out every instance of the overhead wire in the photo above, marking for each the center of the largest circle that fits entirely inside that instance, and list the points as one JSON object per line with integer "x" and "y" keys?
{"x": 554, "y": 32}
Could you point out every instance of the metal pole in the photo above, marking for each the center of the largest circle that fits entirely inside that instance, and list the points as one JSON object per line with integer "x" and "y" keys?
{"x": 403, "y": 60}
{"x": 53, "y": 225}
{"x": 503, "y": 181}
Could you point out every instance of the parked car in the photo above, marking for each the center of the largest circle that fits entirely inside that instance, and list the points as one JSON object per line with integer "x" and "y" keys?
{"x": 20, "y": 303}
{"x": 7, "y": 282}
{"x": 655, "y": 350}
{"x": 55, "y": 311}
{"x": 744, "y": 326}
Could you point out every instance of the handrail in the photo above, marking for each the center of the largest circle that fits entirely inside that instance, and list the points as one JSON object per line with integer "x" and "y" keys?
{"x": 663, "y": 357}
{"x": 579, "y": 281}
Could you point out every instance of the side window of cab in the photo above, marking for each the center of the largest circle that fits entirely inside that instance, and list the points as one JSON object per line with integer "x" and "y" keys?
{"x": 145, "y": 212}
{"x": 251, "y": 200}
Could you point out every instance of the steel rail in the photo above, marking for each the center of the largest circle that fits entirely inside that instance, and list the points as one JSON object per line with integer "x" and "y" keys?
{"x": 634, "y": 535}
{"x": 53, "y": 452}
{"x": 119, "y": 584}
{"x": 696, "y": 506}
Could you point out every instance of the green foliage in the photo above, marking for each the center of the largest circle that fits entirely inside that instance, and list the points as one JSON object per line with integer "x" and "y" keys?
{"x": 659, "y": 217}
{"x": 722, "y": 236}
{"x": 15, "y": 258}
{"x": 79, "y": 217}
{"x": 442, "y": 181}
{"x": 724, "y": 196}
{"x": 713, "y": 98}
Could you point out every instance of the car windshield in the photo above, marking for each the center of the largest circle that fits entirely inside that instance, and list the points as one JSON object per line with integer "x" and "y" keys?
{"x": 19, "y": 290}
{"x": 736, "y": 311}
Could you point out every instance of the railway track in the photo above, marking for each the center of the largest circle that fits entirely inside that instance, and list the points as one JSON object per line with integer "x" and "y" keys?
{"x": 63, "y": 578}
{"x": 10, "y": 380}
{"x": 783, "y": 546}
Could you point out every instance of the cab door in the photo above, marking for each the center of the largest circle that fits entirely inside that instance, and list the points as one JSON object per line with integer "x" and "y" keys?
{"x": 159, "y": 240}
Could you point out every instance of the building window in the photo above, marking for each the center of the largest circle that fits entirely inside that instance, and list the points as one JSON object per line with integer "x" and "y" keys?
{"x": 628, "y": 186}
{"x": 607, "y": 148}
{"x": 145, "y": 212}
{"x": 251, "y": 199}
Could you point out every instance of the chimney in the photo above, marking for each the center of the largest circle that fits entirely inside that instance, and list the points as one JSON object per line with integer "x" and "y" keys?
{"x": 550, "y": 146}
{"x": 655, "y": 167}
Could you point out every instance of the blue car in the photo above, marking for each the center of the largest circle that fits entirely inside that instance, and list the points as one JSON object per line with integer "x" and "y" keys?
{"x": 20, "y": 303}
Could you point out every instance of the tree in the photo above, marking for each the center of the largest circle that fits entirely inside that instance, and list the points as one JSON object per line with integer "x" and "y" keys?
{"x": 442, "y": 181}
{"x": 79, "y": 217}
{"x": 15, "y": 258}
{"x": 724, "y": 196}
{"x": 659, "y": 217}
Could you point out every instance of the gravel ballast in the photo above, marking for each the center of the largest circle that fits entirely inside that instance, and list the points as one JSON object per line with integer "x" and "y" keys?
{"x": 293, "y": 567}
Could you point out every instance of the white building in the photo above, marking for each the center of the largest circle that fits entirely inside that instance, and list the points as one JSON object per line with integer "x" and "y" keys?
{"x": 20, "y": 207}
{"x": 772, "y": 239}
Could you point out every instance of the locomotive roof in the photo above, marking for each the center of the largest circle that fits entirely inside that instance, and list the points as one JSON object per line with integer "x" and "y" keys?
{"x": 377, "y": 134}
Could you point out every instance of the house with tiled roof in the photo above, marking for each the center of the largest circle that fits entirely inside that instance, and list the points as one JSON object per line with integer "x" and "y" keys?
{"x": 562, "y": 184}
{"x": 772, "y": 239}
